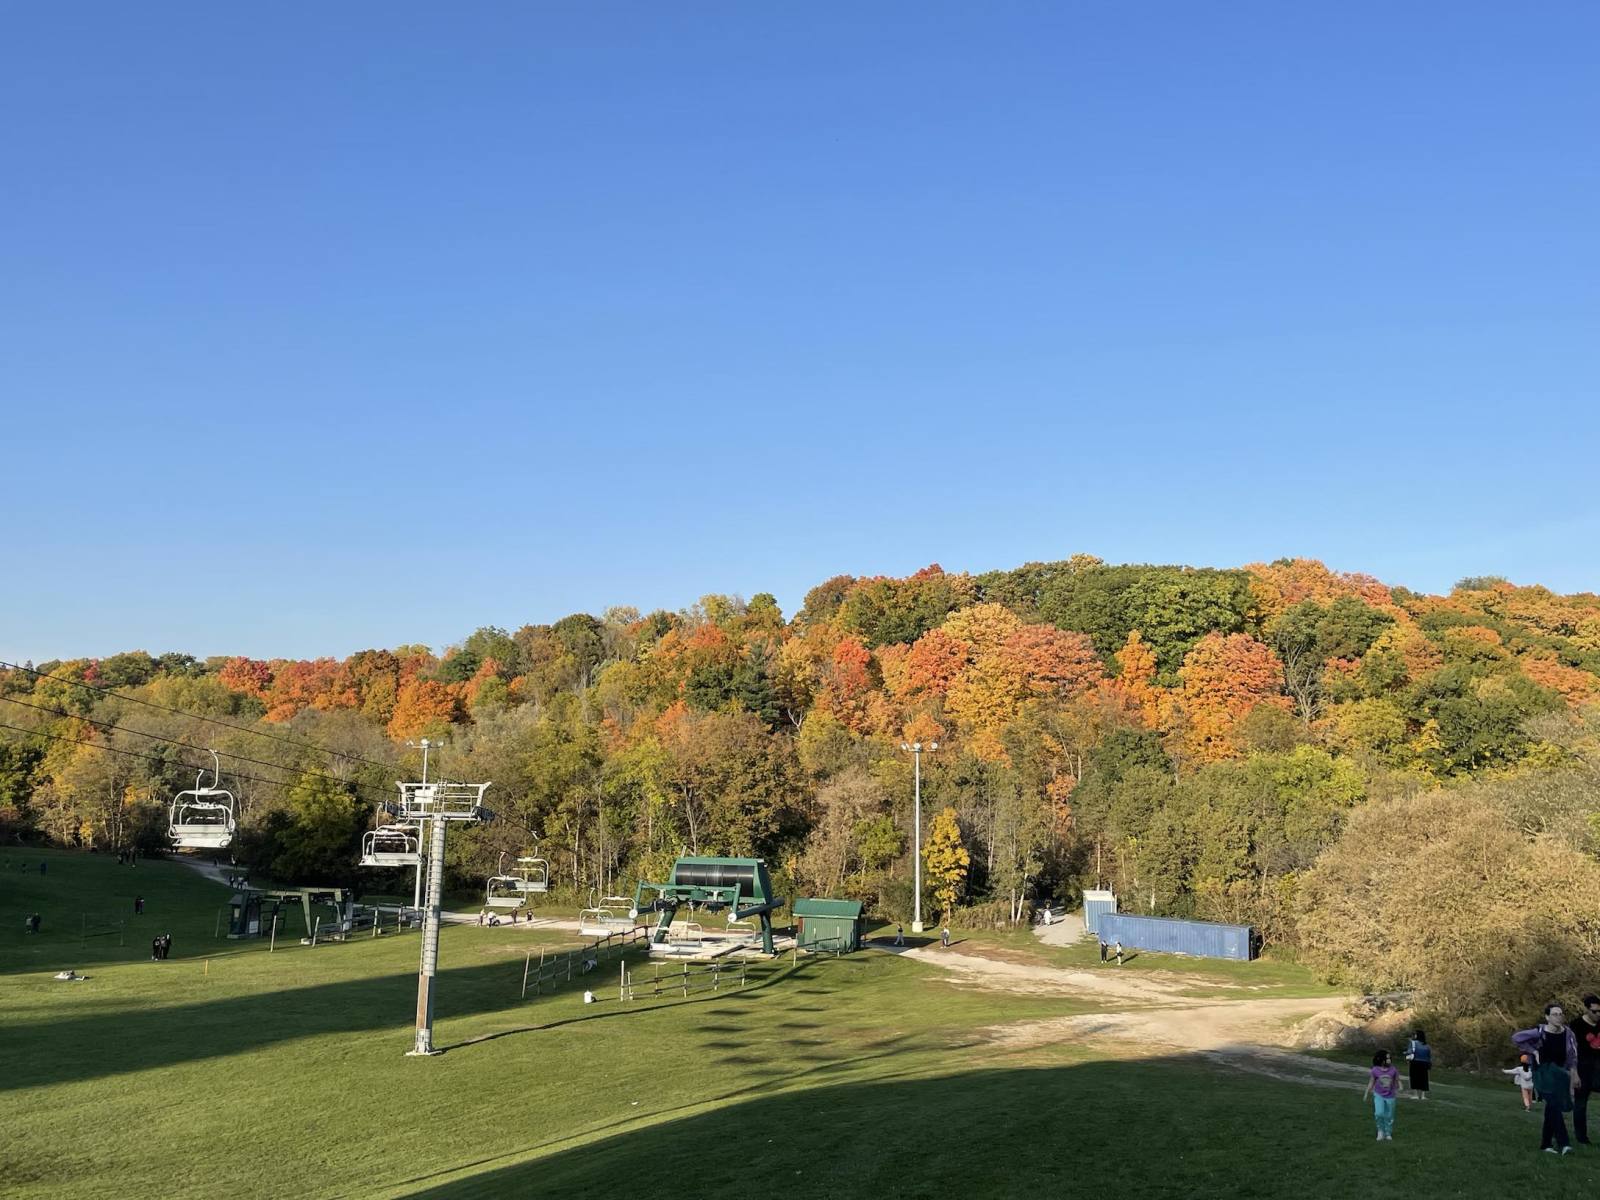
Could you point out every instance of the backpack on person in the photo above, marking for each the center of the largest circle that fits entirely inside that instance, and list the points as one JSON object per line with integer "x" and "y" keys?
{"x": 1419, "y": 1052}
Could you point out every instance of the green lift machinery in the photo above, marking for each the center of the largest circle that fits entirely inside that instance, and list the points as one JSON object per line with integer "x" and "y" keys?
{"x": 739, "y": 885}
{"x": 253, "y": 910}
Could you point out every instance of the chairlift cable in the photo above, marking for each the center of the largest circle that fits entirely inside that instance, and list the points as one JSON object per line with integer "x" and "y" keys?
{"x": 156, "y": 737}
{"x": 106, "y": 691}
{"x": 162, "y": 762}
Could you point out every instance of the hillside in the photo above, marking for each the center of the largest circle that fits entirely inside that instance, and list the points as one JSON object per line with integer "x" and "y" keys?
{"x": 1203, "y": 740}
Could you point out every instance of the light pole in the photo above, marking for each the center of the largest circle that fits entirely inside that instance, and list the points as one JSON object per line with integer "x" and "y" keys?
{"x": 915, "y": 750}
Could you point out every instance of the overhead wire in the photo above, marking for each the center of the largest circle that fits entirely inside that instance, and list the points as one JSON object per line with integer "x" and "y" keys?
{"x": 114, "y": 728}
{"x": 107, "y": 691}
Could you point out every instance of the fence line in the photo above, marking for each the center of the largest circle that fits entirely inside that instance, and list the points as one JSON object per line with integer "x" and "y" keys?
{"x": 704, "y": 977}
{"x": 553, "y": 970}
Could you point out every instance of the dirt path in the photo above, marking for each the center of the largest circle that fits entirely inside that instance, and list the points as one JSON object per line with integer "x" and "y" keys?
{"x": 1149, "y": 1010}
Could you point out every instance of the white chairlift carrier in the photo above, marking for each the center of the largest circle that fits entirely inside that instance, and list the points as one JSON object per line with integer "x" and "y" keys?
{"x": 202, "y": 818}
{"x": 535, "y": 874}
{"x": 614, "y": 914}
{"x": 596, "y": 922}
{"x": 396, "y": 845}
{"x": 505, "y": 891}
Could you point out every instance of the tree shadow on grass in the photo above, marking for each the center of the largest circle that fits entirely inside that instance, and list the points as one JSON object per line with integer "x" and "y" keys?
{"x": 96, "y": 1045}
{"x": 1159, "y": 1127}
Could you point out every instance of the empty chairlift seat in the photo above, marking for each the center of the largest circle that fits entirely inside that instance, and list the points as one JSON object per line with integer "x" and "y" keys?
{"x": 504, "y": 891}
{"x": 391, "y": 846}
{"x": 535, "y": 874}
{"x": 203, "y": 816}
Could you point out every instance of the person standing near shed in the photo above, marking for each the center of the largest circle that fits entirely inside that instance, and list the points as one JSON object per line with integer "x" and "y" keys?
{"x": 1555, "y": 1054}
{"x": 1586, "y": 1029}
{"x": 1419, "y": 1056}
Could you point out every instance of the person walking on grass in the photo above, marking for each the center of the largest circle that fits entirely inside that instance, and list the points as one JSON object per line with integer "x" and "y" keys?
{"x": 1383, "y": 1085}
{"x": 1419, "y": 1057}
{"x": 944, "y": 938}
{"x": 899, "y": 935}
{"x": 1119, "y": 952}
{"x": 1105, "y": 950}
{"x": 1555, "y": 1055}
{"x": 1522, "y": 1076}
{"x": 138, "y": 906}
{"x": 1586, "y": 1029}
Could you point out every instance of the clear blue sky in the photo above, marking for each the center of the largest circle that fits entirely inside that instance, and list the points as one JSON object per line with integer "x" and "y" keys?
{"x": 337, "y": 325}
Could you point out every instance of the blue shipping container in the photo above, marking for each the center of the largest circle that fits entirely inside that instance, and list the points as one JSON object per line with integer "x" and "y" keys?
{"x": 1095, "y": 905}
{"x": 1167, "y": 935}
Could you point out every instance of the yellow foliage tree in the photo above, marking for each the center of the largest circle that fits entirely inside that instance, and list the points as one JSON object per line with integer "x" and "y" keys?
{"x": 946, "y": 860}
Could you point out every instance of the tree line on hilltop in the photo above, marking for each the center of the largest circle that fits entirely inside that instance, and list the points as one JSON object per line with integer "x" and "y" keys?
{"x": 1398, "y": 787}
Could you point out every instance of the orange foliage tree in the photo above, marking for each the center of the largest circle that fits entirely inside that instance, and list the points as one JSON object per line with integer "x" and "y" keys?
{"x": 422, "y": 705}
{"x": 248, "y": 675}
{"x": 1222, "y": 679}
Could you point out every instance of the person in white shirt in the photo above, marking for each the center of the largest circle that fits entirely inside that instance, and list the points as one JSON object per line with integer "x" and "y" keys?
{"x": 1522, "y": 1076}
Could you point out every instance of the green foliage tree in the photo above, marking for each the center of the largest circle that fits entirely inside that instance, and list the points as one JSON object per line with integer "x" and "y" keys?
{"x": 314, "y": 839}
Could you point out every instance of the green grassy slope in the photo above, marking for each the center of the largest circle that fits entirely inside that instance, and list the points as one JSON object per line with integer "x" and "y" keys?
{"x": 284, "y": 1075}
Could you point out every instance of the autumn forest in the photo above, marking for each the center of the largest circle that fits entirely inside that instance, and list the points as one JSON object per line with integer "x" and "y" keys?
{"x": 1397, "y": 788}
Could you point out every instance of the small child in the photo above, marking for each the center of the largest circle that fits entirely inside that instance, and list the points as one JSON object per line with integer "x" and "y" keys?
{"x": 1522, "y": 1076}
{"x": 1383, "y": 1085}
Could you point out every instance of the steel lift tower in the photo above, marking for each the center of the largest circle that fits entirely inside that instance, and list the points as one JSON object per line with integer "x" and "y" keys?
{"x": 433, "y": 806}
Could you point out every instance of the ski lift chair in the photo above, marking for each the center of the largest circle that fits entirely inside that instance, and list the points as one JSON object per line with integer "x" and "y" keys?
{"x": 535, "y": 874}
{"x": 391, "y": 846}
{"x": 504, "y": 891}
{"x": 596, "y": 922}
{"x": 203, "y": 817}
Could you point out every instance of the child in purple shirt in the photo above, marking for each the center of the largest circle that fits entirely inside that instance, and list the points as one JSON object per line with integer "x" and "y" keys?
{"x": 1383, "y": 1085}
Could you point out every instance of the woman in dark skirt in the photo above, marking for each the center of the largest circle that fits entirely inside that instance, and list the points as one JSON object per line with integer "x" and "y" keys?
{"x": 1420, "y": 1055}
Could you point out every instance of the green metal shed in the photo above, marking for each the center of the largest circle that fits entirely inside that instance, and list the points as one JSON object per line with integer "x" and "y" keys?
{"x": 830, "y": 925}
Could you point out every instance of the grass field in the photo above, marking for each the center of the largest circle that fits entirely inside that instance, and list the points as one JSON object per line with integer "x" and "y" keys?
{"x": 230, "y": 1071}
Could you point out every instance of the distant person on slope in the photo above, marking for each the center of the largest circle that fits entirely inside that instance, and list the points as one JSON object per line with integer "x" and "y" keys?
{"x": 1420, "y": 1057}
{"x": 1383, "y": 1085}
{"x": 1586, "y": 1029}
{"x": 1555, "y": 1054}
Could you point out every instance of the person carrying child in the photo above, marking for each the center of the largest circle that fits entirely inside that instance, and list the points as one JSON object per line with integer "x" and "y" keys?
{"x": 1522, "y": 1076}
{"x": 1383, "y": 1085}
